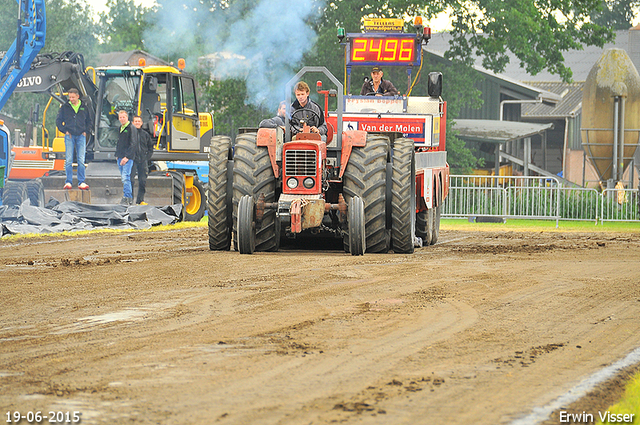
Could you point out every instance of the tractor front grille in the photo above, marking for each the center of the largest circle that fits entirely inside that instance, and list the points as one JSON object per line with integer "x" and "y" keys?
{"x": 300, "y": 162}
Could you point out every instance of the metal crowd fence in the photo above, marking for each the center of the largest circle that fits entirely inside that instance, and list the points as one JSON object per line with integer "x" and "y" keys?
{"x": 619, "y": 205}
{"x": 535, "y": 197}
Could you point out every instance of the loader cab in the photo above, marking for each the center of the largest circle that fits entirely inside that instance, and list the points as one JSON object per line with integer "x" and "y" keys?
{"x": 169, "y": 109}
{"x": 161, "y": 95}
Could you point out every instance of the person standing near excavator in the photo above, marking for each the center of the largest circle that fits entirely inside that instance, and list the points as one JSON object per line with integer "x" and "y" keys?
{"x": 125, "y": 152}
{"x": 144, "y": 150}
{"x": 74, "y": 120}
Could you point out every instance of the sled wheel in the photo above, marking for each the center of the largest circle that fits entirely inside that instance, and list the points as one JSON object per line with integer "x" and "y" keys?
{"x": 246, "y": 225}
{"x": 424, "y": 226}
{"x": 436, "y": 224}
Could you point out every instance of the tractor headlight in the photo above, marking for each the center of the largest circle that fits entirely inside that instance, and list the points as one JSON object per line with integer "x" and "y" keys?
{"x": 308, "y": 183}
{"x": 292, "y": 183}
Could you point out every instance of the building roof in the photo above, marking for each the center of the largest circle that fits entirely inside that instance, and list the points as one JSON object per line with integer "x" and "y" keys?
{"x": 570, "y": 101}
{"x": 493, "y": 131}
{"x": 517, "y": 89}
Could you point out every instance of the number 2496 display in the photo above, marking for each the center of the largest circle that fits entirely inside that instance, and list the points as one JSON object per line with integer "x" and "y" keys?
{"x": 388, "y": 50}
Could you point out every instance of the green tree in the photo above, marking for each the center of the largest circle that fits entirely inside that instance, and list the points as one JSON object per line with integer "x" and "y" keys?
{"x": 68, "y": 26}
{"x": 122, "y": 27}
{"x": 229, "y": 101}
{"x": 537, "y": 32}
{"x": 617, "y": 15}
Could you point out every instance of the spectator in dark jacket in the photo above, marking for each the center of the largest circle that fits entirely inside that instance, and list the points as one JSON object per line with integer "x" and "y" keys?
{"x": 377, "y": 85}
{"x": 278, "y": 120}
{"x": 125, "y": 152}
{"x": 144, "y": 150}
{"x": 74, "y": 120}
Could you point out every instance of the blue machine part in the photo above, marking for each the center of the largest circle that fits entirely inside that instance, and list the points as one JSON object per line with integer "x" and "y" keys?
{"x": 201, "y": 168}
{"x": 29, "y": 40}
{"x": 4, "y": 153}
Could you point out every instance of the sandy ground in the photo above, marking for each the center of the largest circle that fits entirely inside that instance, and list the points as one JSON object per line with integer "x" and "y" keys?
{"x": 153, "y": 328}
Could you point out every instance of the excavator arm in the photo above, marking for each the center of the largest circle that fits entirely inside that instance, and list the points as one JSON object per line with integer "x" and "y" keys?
{"x": 29, "y": 40}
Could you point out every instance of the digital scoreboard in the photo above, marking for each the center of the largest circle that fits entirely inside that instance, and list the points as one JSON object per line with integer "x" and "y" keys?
{"x": 394, "y": 50}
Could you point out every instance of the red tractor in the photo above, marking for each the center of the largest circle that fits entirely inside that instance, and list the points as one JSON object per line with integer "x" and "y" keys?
{"x": 377, "y": 180}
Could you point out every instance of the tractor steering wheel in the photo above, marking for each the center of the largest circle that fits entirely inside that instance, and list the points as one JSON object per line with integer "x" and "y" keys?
{"x": 298, "y": 127}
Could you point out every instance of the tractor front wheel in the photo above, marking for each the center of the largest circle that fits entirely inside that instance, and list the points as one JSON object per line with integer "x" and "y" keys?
{"x": 403, "y": 196}
{"x": 246, "y": 225}
{"x": 253, "y": 175}
{"x": 357, "y": 233}
{"x": 365, "y": 177}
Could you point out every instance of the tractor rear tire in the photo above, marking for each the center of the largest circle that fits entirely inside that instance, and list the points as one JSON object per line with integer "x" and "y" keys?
{"x": 246, "y": 225}
{"x": 219, "y": 208}
{"x": 424, "y": 226}
{"x": 403, "y": 197}
{"x": 253, "y": 175}
{"x": 14, "y": 193}
{"x": 365, "y": 176}
{"x": 35, "y": 192}
{"x": 357, "y": 233}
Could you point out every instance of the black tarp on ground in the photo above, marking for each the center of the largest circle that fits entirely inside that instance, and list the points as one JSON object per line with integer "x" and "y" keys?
{"x": 73, "y": 216}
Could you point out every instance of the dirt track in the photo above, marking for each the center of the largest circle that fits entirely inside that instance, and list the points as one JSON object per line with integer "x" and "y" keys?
{"x": 153, "y": 328}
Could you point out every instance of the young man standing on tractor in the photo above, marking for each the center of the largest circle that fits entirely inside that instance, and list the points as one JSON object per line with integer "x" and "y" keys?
{"x": 74, "y": 120}
{"x": 315, "y": 119}
{"x": 377, "y": 85}
{"x": 144, "y": 149}
{"x": 125, "y": 151}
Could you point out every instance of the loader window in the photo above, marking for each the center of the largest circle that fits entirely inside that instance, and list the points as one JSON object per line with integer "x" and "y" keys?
{"x": 116, "y": 92}
{"x": 183, "y": 94}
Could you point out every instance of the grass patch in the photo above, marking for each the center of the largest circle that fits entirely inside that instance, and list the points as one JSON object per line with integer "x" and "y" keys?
{"x": 542, "y": 226}
{"x": 629, "y": 405}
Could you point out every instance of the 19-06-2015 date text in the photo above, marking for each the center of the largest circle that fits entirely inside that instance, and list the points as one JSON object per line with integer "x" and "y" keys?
{"x": 51, "y": 417}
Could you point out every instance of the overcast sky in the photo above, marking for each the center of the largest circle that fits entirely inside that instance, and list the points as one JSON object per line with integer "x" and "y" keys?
{"x": 100, "y": 5}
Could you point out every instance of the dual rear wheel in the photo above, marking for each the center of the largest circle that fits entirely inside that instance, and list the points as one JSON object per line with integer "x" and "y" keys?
{"x": 249, "y": 175}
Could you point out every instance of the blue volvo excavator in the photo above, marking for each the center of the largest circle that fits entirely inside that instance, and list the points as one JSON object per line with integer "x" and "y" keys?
{"x": 15, "y": 64}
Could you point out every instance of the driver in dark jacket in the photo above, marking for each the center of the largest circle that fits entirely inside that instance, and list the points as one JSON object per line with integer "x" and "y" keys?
{"x": 302, "y": 102}
{"x": 377, "y": 85}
